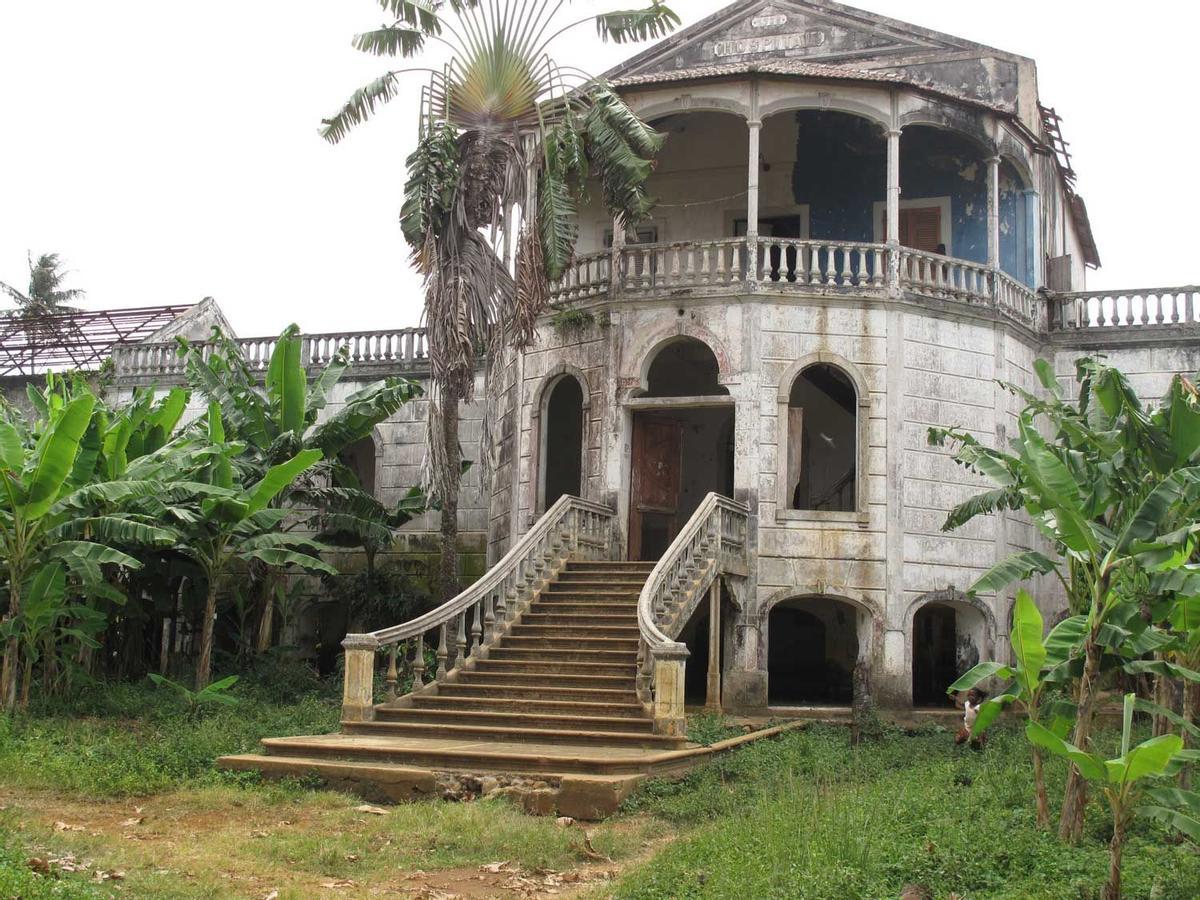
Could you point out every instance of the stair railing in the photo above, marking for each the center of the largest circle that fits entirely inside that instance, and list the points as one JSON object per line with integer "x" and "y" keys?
{"x": 469, "y": 624}
{"x": 712, "y": 543}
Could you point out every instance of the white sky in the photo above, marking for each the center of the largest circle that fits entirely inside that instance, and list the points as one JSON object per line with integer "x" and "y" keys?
{"x": 169, "y": 151}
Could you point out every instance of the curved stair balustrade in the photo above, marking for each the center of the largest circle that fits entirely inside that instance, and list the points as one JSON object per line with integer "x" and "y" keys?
{"x": 469, "y": 624}
{"x": 712, "y": 543}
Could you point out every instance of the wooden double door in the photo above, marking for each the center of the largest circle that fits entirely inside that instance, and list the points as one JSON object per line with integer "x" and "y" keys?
{"x": 655, "y": 485}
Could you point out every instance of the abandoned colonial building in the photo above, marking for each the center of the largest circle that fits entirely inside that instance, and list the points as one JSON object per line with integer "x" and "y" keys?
{"x": 712, "y": 483}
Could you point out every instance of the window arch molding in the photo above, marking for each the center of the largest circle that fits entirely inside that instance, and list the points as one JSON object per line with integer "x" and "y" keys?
{"x": 783, "y": 510}
{"x": 538, "y": 420}
{"x": 658, "y": 341}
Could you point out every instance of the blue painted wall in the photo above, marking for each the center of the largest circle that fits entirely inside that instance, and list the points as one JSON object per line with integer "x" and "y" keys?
{"x": 841, "y": 172}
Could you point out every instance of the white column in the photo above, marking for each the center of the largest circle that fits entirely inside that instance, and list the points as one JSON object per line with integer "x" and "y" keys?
{"x": 893, "y": 211}
{"x": 752, "y": 182}
{"x": 1033, "y": 236}
{"x": 993, "y": 189}
{"x": 754, "y": 168}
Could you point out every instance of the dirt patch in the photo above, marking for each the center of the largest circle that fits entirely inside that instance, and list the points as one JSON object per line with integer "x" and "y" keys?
{"x": 240, "y": 844}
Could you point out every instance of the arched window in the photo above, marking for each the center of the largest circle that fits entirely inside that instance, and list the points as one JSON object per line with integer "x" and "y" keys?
{"x": 822, "y": 441}
{"x": 359, "y": 458}
{"x": 684, "y": 368}
{"x": 562, "y": 445}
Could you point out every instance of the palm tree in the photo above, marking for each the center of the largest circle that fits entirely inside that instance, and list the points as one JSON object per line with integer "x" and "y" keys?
{"x": 503, "y": 127}
{"x": 43, "y": 310}
{"x": 45, "y": 295}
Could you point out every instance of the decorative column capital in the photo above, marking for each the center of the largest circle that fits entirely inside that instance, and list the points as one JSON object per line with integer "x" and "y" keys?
{"x": 754, "y": 123}
{"x": 894, "y": 132}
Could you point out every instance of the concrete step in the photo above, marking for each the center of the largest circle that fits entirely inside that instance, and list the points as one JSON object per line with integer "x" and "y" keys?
{"x": 567, "y": 622}
{"x": 568, "y": 642}
{"x": 513, "y": 732}
{"x": 589, "y": 581}
{"x": 609, "y": 567}
{"x": 628, "y": 709}
{"x": 549, "y": 680}
{"x": 457, "y": 754}
{"x": 556, "y": 606}
{"x": 517, "y": 719}
{"x": 551, "y": 667}
{"x": 538, "y": 692}
{"x": 574, "y": 630}
{"x": 583, "y": 589}
{"x": 621, "y": 657}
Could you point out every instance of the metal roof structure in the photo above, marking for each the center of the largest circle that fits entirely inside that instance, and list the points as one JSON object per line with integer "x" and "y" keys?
{"x": 80, "y": 340}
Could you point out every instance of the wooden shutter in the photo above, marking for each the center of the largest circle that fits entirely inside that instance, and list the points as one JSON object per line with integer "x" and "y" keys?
{"x": 921, "y": 227}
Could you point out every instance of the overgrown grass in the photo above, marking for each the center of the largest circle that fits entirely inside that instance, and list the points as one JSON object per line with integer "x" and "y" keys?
{"x": 805, "y": 816}
{"x": 134, "y": 739}
{"x": 799, "y": 816}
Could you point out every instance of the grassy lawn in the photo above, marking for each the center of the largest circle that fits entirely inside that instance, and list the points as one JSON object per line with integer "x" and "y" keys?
{"x": 121, "y": 788}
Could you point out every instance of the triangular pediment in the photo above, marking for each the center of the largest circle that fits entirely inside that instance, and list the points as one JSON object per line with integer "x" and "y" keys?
{"x": 811, "y": 30}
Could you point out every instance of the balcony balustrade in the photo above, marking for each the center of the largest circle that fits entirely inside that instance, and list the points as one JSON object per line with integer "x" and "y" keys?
{"x": 396, "y": 349}
{"x": 784, "y": 265}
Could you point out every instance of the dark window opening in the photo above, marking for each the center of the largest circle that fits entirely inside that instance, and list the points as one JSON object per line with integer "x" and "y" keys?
{"x": 359, "y": 458}
{"x": 564, "y": 441}
{"x": 685, "y": 368}
{"x": 946, "y": 643}
{"x": 822, "y": 450}
{"x": 812, "y": 650}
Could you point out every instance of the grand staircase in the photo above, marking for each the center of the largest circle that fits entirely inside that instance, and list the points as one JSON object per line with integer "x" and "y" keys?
{"x": 553, "y": 679}
{"x": 555, "y": 697}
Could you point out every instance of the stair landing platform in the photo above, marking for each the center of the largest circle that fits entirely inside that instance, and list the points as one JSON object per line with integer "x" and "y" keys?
{"x": 549, "y": 714}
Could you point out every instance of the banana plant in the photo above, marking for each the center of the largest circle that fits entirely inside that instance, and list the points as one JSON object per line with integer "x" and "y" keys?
{"x": 237, "y": 523}
{"x": 41, "y": 497}
{"x": 1107, "y": 490}
{"x": 1039, "y": 664}
{"x": 283, "y": 419}
{"x": 1129, "y": 784}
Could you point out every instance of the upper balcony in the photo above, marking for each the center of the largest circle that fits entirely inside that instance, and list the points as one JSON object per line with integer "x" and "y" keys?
{"x": 826, "y": 190}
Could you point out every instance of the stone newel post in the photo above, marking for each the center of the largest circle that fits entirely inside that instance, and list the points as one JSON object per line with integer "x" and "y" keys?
{"x": 358, "y": 694}
{"x": 669, "y": 691}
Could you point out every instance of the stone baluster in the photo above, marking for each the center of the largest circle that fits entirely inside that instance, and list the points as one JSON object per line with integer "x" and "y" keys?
{"x": 460, "y": 641}
{"x": 476, "y": 627}
{"x": 392, "y": 677}
{"x": 443, "y": 651}
{"x": 489, "y": 617}
{"x": 358, "y": 700}
{"x": 419, "y": 663}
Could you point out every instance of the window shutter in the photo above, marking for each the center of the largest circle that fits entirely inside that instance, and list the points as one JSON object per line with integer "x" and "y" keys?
{"x": 921, "y": 228}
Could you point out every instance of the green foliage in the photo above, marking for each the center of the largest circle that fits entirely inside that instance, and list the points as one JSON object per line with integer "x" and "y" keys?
{"x": 211, "y": 695}
{"x": 804, "y": 816}
{"x": 115, "y": 739}
{"x": 572, "y": 322}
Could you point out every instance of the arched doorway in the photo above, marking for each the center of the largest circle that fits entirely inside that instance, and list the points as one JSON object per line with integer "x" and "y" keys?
{"x": 949, "y": 637}
{"x": 703, "y": 674}
{"x": 682, "y": 446}
{"x": 562, "y": 442}
{"x": 812, "y": 648}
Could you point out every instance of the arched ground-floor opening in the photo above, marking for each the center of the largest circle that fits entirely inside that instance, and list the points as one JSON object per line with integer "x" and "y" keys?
{"x": 702, "y": 678}
{"x": 680, "y": 455}
{"x": 812, "y": 648}
{"x": 562, "y": 454}
{"x": 948, "y": 638}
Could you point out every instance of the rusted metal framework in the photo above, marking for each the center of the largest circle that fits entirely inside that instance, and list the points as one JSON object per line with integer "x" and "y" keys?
{"x": 81, "y": 340}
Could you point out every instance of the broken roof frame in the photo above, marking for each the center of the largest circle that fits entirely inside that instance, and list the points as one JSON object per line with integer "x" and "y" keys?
{"x": 80, "y": 340}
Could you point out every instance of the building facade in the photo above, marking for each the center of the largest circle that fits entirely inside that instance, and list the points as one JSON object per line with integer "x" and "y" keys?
{"x": 864, "y": 228}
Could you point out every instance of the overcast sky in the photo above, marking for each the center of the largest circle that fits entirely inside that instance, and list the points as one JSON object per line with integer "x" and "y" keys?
{"x": 169, "y": 151}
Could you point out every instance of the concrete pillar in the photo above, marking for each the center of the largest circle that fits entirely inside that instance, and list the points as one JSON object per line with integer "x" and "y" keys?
{"x": 358, "y": 692}
{"x": 993, "y": 193}
{"x": 713, "y": 694}
{"x": 893, "y": 211}
{"x": 669, "y": 716}
{"x": 755, "y": 168}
